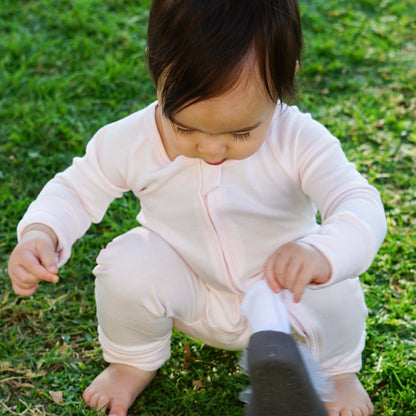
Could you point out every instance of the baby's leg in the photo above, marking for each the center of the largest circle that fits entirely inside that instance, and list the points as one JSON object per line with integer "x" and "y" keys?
{"x": 333, "y": 320}
{"x": 142, "y": 285}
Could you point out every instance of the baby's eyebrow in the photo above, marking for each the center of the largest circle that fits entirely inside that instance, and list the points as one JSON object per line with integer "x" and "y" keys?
{"x": 245, "y": 129}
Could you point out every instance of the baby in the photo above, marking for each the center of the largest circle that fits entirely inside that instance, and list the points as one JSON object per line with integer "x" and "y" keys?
{"x": 229, "y": 179}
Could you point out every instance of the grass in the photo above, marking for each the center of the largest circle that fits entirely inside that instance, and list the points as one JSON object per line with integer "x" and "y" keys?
{"x": 69, "y": 67}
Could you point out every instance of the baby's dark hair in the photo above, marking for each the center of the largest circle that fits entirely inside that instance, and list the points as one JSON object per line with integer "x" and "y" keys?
{"x": 198, "y": 48}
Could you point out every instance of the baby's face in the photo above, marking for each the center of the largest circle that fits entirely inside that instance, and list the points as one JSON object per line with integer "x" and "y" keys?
{"x": 231, "y": 126}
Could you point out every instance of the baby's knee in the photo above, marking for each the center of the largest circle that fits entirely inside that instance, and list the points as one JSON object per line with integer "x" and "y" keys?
{"x": 121, "y": 262}
{"x": 334, "y": 321}
{"x": 137, "y": 263}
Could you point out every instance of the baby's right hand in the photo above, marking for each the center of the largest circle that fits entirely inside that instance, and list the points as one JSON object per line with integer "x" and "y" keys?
{"x": 33, "y": 260}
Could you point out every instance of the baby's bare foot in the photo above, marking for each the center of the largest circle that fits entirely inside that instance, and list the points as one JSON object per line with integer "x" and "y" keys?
{"x": 116, "y": 388}
{"x": 351, "y": 399}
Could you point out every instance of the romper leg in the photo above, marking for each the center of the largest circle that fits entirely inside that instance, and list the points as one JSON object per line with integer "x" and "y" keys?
{"x": 331, "y": 321}
{"x": 142, "y": 284}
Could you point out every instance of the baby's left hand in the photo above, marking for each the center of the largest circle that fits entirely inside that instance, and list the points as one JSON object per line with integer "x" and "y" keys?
{"x": 294, "y": 266}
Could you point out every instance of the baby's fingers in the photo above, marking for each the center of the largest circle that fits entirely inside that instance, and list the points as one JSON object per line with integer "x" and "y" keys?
{"x": 47, "y": 259}
{"x": 24, "y": 282}
{"x": 300, "y": 283}
{"x": 43, "y": 268}
{"x": 272, "y": 273}
{"x": 26, "y": 265}
{"x": 24, "y": 292}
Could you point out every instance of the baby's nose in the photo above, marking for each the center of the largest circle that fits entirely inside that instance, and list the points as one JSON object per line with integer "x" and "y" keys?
{"x": 211, "y": 146}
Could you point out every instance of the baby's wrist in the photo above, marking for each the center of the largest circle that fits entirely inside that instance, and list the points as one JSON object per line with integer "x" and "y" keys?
{"x": 41, "y": 228}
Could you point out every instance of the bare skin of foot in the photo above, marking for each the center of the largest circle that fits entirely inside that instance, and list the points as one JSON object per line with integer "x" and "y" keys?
{"x": 351, "y": 398}
{"x": 116, "y": 388}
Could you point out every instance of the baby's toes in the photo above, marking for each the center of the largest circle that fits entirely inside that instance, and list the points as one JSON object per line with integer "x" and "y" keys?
{"x": 102, "y": 403}
{"x": 351, "y": 412}
{"x": 94, "y": 399}
{"x": 369, "y": 409}
{"x": 118, "y": 408}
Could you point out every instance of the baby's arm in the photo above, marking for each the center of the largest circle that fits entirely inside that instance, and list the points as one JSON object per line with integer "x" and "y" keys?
{"x": 294, "y": 266}
{"x": 33, "y": 259}
{"x": 353, "y": 224}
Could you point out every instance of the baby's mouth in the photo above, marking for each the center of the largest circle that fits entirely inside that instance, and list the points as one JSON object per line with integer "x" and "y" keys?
{"x": 216, "y": 163}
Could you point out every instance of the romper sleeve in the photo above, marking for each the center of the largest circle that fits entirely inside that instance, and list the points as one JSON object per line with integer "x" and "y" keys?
{"x": 81, "y": 194}
{"x": 353, "y": 223}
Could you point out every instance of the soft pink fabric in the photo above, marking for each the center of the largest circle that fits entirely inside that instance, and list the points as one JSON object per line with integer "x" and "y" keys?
{"x": 144, "y": 289}
{"x": 223, "y": 220}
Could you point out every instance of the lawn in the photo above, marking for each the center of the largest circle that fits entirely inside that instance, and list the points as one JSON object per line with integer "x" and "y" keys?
{"x": 69, "y": 67}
